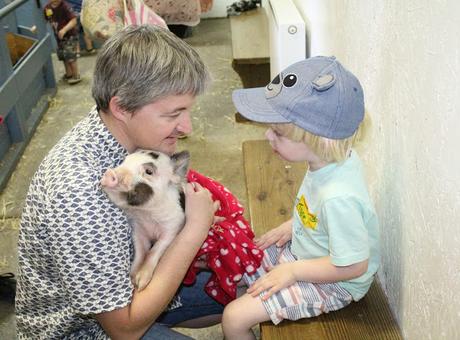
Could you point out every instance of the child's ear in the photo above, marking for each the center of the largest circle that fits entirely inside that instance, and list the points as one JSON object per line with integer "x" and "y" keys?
{"x": 117, "y": 111}
{"x": 181, "y": 161}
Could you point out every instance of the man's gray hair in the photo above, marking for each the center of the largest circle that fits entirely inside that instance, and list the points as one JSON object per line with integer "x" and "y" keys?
{"x": 142, "y": 64}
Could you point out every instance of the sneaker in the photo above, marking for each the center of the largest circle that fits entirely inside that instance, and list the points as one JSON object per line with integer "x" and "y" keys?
{"x": 91, "y": 51}
{"x": 65, "y": 77}
{"x": 74, "y": 80}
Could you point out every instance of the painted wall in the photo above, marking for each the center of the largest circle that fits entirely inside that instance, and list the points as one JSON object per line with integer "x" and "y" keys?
{"x": 407, "y": 56}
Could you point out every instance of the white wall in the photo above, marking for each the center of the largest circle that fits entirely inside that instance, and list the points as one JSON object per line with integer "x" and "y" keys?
{"x": 407, "y": 56}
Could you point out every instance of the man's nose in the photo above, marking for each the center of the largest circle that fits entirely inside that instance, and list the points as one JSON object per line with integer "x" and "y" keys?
{"x": 185, "y": 124}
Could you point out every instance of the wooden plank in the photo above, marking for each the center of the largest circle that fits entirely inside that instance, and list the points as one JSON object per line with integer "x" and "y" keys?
{"x": 272, "y": 185}
{"x": 369, "y": 318}
{"x": 250, "y": 37}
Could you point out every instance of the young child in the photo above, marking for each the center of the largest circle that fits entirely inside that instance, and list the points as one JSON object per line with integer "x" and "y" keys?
{"x": 64, "y": 21}
{"x": 326, "y": 256}
{"x": 89, "y": 47}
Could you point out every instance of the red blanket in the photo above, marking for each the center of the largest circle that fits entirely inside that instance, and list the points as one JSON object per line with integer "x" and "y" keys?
{"x": 229, "y": 249}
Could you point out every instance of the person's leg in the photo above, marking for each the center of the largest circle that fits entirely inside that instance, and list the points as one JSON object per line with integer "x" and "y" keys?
{"x": 74, "y": 67}
{"x": 162, "y": 332}
{"x": 192, "y": 307}
{"x": 201, "y": 322}
{"x": 68, "y": 69}
{"x": 70, "y": 56}
{"x": 88, "y": 42}
{"x": 241, "y": 315}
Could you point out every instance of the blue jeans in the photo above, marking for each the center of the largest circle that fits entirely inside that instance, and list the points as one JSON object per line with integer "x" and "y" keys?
{"x": 190, "y": 302}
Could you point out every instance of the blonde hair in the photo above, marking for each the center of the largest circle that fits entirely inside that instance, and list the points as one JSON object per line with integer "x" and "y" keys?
{"x": 329, "y": 150}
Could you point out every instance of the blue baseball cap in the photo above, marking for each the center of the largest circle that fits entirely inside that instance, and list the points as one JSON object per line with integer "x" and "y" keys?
{"x": 317, "y": 94}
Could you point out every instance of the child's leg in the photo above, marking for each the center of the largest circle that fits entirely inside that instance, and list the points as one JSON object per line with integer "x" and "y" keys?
{"x": 74, "y": 68}
{"x": 241, "y": 315}
{"x": 68, "y": 69}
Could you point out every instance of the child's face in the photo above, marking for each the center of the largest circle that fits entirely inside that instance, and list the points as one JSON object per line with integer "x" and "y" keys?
{"x": 55, "y": 3}
{"x": 287, "y": 148}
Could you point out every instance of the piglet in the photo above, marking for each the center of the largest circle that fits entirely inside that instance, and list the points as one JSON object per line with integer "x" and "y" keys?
{"x": 149, "y": 187}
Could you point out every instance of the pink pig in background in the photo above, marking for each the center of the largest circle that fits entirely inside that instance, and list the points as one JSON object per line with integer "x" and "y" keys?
{"x": 149, "y": 187}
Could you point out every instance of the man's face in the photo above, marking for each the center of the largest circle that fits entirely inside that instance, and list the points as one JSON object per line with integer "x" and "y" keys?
{"x": 158, "y": 125}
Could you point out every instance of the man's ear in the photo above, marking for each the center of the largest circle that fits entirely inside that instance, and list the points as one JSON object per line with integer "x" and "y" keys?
{"x": 117, "y": 111}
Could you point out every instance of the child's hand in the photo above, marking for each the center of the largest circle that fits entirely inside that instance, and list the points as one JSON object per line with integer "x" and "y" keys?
{"x": 280, "y": 235}
{"x": 61, "y": 34}
{"x": 277, "y": 278}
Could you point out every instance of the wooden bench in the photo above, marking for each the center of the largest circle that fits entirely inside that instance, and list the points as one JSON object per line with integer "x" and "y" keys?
{"x": 272, "y": 186}
{"x": 250, "y": 49}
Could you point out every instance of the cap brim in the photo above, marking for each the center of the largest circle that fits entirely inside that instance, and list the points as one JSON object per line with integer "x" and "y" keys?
{"x": 252, "y": 104}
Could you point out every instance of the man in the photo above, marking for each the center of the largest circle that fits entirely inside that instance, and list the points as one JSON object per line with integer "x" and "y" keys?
{"x": 74, "y": 245}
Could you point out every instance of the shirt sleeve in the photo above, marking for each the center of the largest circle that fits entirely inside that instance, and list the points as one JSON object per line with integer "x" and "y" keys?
{"x": 348, "y": 235}
{"x": 90, "y": 242}
{"x": 69, "y": 11}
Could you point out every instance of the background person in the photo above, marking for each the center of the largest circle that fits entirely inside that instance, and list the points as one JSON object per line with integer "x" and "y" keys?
{"x": 89, "y": 47}
{"x": 63, "y": 22}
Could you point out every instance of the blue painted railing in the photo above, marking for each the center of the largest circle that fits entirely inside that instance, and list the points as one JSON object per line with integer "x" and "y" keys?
{"x": 27, "y": 86}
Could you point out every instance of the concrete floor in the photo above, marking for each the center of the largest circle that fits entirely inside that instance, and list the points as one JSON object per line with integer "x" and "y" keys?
{"x": 215, "y": 144}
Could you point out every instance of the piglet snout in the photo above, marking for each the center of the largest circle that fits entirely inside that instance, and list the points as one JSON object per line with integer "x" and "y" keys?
{"x": 110, "y": 179}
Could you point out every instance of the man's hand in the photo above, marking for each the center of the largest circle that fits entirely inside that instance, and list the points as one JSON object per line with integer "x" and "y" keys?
{"x": 199, "y": 207}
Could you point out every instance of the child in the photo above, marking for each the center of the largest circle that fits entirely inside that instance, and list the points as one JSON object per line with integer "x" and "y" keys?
{"x": 64, "y": 21}
{"x": 326, "y": 256}
{"x": 89, "y": 47}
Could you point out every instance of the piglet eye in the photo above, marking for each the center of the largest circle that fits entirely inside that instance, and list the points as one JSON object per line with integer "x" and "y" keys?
{"x": 149, "y": 168}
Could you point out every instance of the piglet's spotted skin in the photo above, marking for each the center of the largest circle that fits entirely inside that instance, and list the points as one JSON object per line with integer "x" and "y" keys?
{"x": 140, "y": 195}
{"x": 148, "y": 186}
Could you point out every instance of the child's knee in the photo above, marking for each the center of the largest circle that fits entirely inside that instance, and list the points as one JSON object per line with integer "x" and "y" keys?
{"x": 233, "y": 315}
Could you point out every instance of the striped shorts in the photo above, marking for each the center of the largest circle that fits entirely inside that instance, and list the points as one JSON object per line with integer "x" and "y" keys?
{"x": 302, "y": 299}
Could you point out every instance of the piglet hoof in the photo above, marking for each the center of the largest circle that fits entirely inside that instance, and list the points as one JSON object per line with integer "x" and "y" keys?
{"x": 142, "y": 279}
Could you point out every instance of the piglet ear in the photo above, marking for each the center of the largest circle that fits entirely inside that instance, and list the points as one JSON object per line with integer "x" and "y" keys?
{"x": 181, "y": 161}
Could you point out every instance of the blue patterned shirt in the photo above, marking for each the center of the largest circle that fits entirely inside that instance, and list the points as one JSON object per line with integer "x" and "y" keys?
{"x": 74, "y": 245}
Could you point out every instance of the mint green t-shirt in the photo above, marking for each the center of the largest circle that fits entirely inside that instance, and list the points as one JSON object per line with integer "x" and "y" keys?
{"x": 334, "y": 216}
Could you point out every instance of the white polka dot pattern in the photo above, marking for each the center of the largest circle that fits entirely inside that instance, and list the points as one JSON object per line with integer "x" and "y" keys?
{"x": 227, "y": 244}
